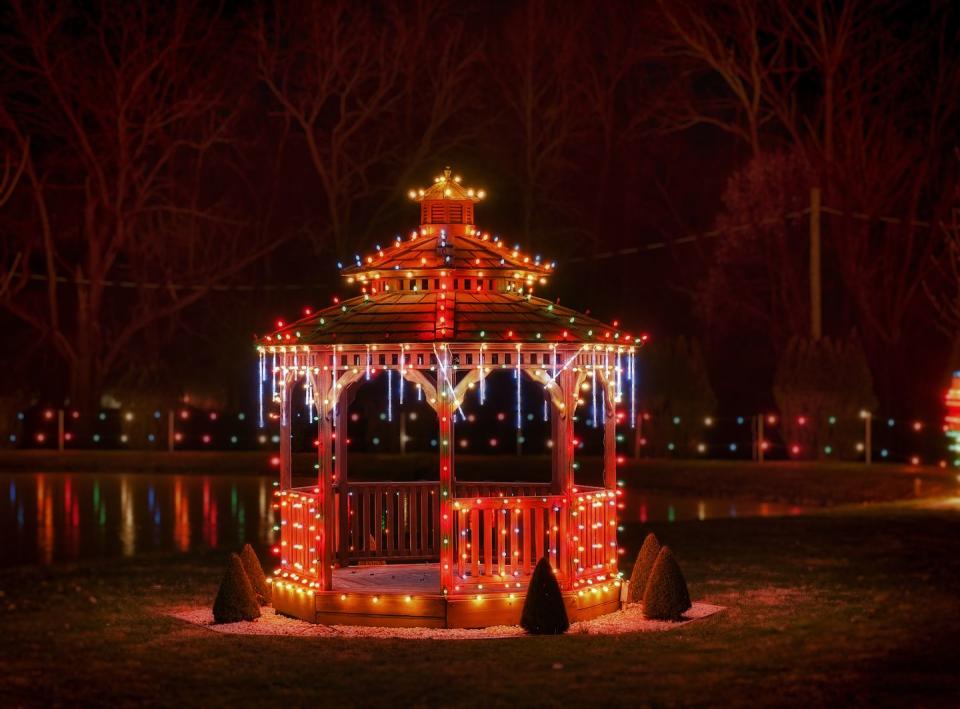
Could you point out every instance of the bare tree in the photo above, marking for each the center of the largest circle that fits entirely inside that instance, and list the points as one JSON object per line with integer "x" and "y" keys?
{"x": 131, "y": 224}
{"x": 849, "y": 88}
{"x": 534, "y": 72}
{"x": 373, "y": 92}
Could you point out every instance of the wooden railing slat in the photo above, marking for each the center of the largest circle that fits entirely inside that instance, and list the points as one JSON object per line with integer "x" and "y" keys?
{"x": 474, "y": 540}
{"x": 513, "y": 518}
{"x": 487, "y": 542}
{"x": 538, "y": 531}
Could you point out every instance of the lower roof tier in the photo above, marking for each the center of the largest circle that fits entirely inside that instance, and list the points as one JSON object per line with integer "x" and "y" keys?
{"x": 444, "y": 316}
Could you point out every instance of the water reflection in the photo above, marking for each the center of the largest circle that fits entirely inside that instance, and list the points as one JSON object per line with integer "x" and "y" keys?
{"x": 669, "y": 508}
{"x": 46, "y": 518}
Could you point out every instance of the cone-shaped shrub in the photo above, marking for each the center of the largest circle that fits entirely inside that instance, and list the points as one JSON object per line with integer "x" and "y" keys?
{"x": 251, "y": 564}
{"x": 236, "y": 599}
{"x": 642, "y": 567}
{"x": 543, "y": 609}
{"x": 666, "y": 596}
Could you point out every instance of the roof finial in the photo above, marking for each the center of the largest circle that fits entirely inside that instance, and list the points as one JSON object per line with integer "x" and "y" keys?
{"x": 446, "y": 172}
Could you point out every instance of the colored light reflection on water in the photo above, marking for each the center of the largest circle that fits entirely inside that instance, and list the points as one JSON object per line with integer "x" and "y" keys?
{"x": 643, "y": 507}
{"x": 56, "y": 517}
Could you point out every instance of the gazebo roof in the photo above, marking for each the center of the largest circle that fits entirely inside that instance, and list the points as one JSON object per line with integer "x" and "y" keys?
{"x": 449, "y": 282}
{"x": 464, "y": 252}
{"x": 484, "y": 316}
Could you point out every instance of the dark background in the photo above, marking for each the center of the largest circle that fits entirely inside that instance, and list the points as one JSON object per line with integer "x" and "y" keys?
{"x": 190, "y": 173}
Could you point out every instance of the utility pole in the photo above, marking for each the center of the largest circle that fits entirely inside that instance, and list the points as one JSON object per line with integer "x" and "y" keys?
{"x": 758, "y": 444}
{"x": 816, "y": 306}
{"x": 867, "y": 436}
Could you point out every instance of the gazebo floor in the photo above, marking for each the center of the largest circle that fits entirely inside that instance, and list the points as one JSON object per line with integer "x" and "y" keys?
{"x": 408, "y": 595}
{"x": 388, "y": 578}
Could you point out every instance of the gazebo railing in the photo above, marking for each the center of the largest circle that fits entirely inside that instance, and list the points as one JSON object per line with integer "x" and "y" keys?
{"x": 593, "y": 532}
{"x": 498, "y": 540}
{"x": 487, "y": 488}
{"x": 391, "y": 521}
{"x": 300, "y": 535}
{"x": 396, "y": 521}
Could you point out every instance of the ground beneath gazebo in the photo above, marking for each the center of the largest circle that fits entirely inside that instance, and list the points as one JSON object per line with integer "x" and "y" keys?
{"x": 627, "y": 620}
{"x": 388, "y": 578}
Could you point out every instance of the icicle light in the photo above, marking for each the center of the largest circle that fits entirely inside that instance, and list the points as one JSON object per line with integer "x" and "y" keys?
{"x": 263, "y": 376}
{"x": 593, "y": 388}
{"x": 389, "y": 395}
{"x": 519, "y": 400}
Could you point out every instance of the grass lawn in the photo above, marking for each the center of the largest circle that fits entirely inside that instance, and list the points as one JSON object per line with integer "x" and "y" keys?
{"x": 857, "y": 606}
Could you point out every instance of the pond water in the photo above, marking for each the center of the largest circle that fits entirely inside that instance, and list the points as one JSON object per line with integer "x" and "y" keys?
{"x": 55, "y": 517}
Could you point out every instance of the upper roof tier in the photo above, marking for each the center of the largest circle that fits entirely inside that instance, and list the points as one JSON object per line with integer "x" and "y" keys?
{"x": 448, "y": 282}
{"x": 449, "y": 241}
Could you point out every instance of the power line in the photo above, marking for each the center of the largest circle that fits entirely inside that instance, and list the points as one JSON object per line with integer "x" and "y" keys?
{"x": 627, "y": 251}
{"x": 713, "y": 233}
{"x": 172, "y": 286}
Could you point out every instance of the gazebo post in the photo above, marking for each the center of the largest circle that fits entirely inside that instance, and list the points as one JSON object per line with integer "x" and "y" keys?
{"x": 341, "y": 467}
{"x": 562, "y": 431}
{"x": 445, "y": 411}
{"x": 325, "y": 503}
{"x": 286, "y": 461}
{"x": 610, "y": 436}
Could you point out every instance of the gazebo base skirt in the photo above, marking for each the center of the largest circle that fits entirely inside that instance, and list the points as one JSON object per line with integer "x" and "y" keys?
{"x": 407, "y": 595}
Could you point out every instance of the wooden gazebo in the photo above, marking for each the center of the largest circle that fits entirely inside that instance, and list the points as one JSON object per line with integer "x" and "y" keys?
{"x": 443, "y": 309}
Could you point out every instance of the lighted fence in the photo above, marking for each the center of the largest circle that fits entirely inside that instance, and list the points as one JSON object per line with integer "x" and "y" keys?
{"x": 768, "y": 436}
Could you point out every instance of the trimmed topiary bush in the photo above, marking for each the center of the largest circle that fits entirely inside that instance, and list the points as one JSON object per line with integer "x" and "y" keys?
{"x": 666, "y": 596}
{"x": 543, "y": 609}
{"x": 236, "y": 599}
{"x": 251, "y": 564}
{"x": 642, "y": 567}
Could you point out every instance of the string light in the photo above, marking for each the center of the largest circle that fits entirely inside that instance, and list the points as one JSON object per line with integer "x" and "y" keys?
{"x": 261, "y": 379}
{"x": 519, "y": 403}
{"x": 593, "y": 387}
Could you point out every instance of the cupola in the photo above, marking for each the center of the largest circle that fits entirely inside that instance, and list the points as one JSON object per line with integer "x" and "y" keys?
{"x": 447, "y": 205}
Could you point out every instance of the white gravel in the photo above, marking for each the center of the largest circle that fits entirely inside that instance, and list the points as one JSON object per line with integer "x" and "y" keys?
{"x": 628, "y": 620}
